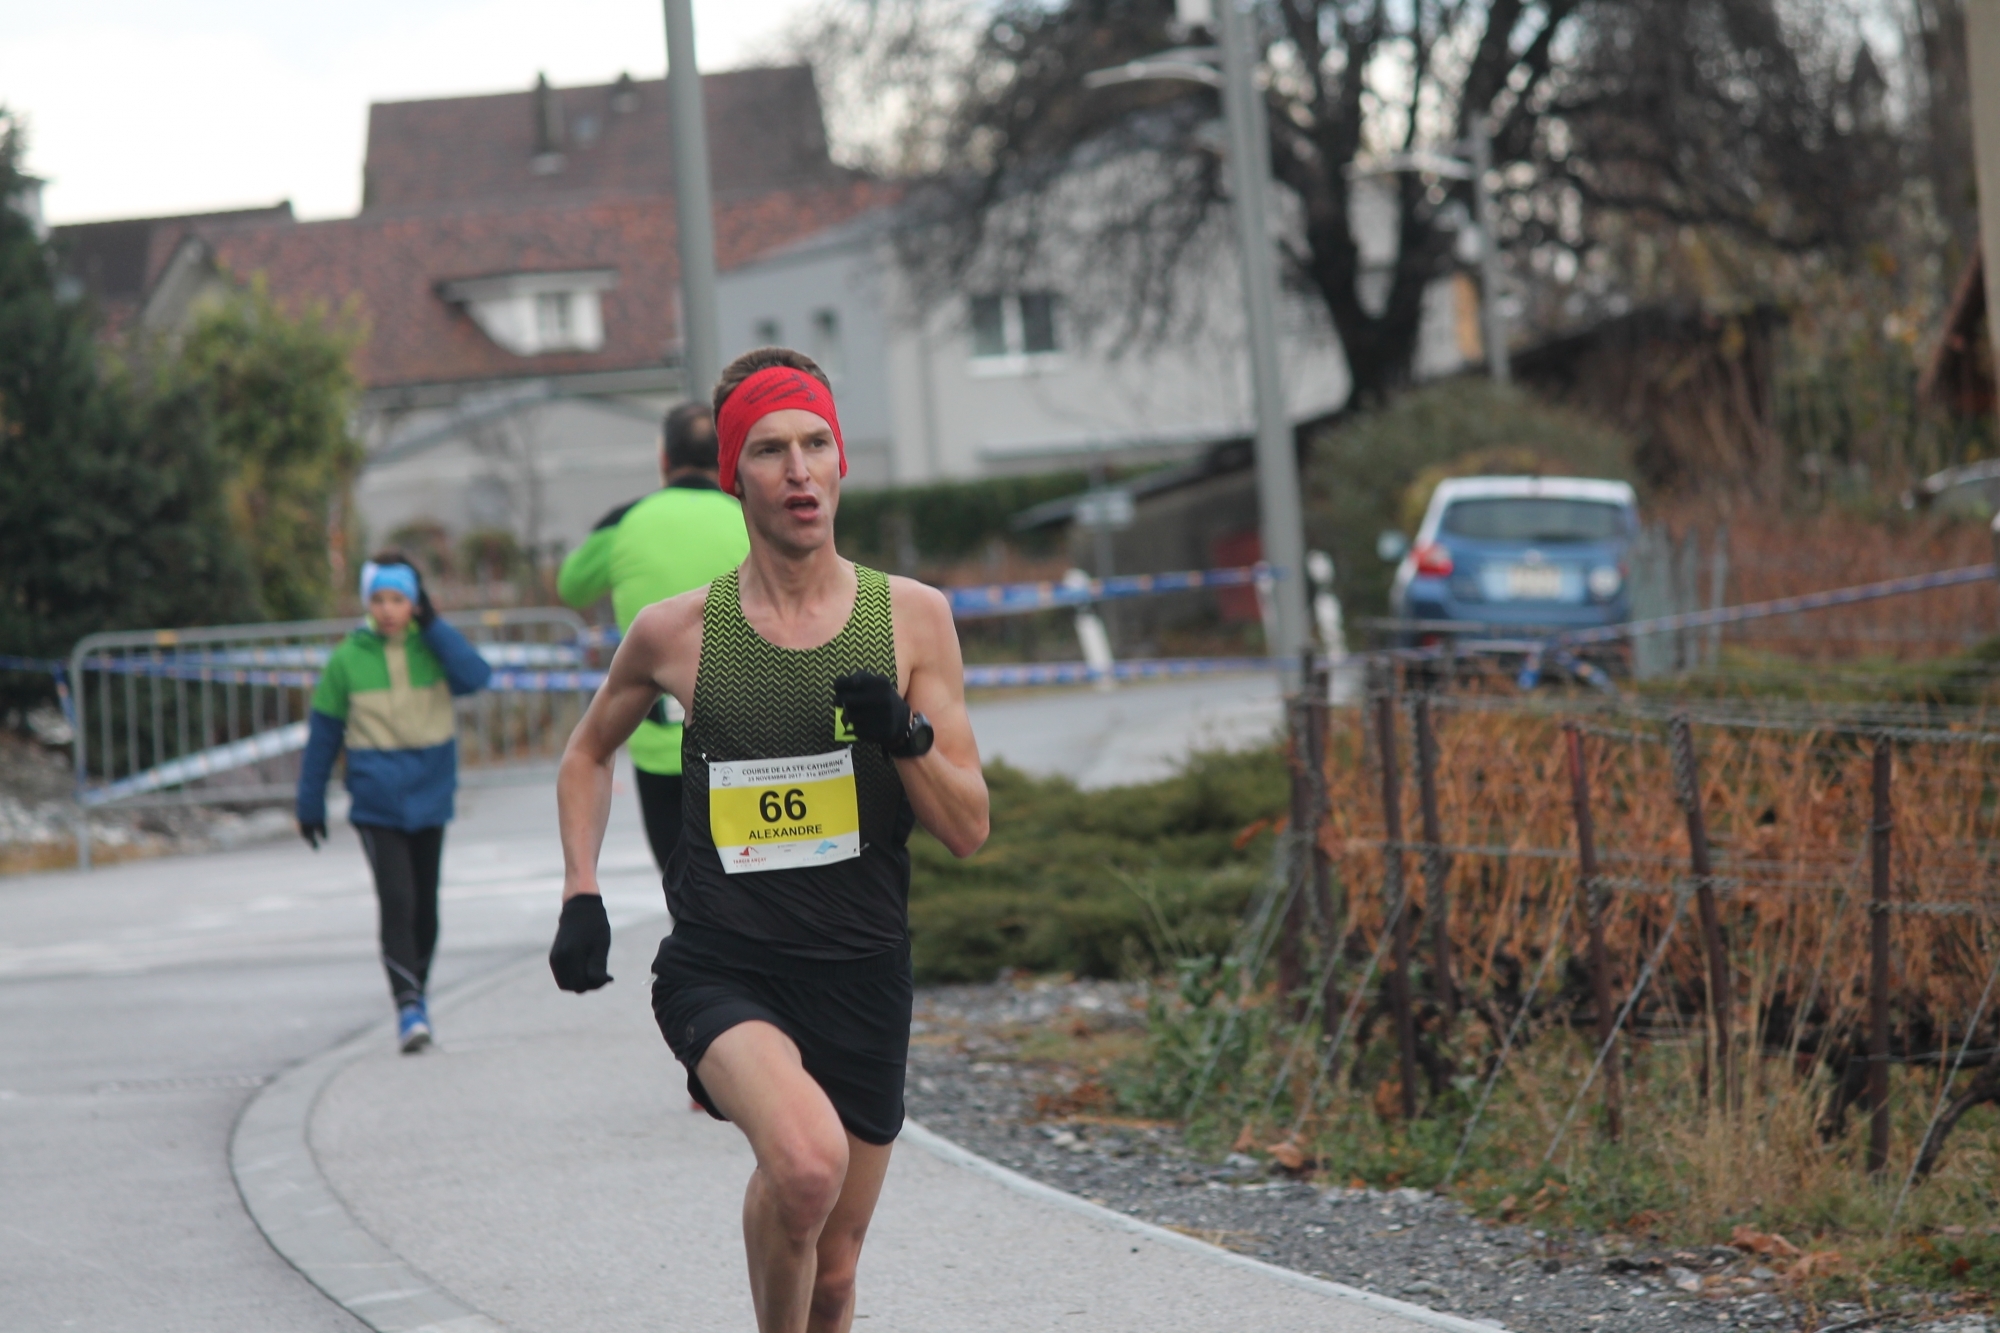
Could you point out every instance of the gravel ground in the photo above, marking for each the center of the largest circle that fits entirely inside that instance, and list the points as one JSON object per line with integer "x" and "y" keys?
{"x": 991, "y": 1067}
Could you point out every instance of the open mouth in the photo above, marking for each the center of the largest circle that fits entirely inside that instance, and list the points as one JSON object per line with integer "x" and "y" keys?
{"x": 805, "y": 506}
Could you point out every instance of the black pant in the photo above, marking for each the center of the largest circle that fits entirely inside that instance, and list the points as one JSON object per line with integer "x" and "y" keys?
{"x": 406, "y": 886}
{"x": 660, "y": 804}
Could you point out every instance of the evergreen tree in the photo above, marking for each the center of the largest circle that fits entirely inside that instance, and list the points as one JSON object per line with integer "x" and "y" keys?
{"x": 111, "y": 501}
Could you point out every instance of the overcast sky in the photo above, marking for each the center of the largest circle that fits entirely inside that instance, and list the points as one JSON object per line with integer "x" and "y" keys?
{"x": 138, "y": 107}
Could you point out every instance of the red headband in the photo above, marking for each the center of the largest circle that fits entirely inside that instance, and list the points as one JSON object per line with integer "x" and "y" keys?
{"x": 772, "y": 389}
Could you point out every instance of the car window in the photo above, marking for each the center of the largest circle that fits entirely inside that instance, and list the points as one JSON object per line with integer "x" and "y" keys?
{"x": 1534, "y": 519}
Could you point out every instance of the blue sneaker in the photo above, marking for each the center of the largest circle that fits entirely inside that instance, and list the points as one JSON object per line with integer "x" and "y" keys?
{"x": 413, "y": 1027}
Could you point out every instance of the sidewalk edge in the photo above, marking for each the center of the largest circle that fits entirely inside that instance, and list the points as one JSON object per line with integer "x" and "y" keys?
{"x": 944, "y": 1149}
{"x": 279, "y": 1181}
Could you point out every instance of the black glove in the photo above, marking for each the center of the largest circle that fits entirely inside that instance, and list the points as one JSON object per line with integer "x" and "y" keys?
{"x": 312, "y": 831}
{"x": 583, "y": 944}
{"x": 425, "y": 612}
{"x": 873, "y": 709}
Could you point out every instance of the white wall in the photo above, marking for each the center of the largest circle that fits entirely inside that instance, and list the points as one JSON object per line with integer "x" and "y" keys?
{"x": 958, "y": 415}
{"x": 917, "y": 405}
{"x": 546, "y": 471}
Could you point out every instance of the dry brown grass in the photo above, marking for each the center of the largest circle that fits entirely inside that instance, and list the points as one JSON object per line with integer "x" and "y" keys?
{"x": 1787, "y": 816}
{"x": 1784, "y": 555}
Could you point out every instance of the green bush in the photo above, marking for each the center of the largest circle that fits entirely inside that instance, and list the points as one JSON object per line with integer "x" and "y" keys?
{"x": 1097, "y": 883}
{"x": 1362, "y": 469}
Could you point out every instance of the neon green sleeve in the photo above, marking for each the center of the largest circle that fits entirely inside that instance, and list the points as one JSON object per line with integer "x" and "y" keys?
{"x": 585, "y": 575}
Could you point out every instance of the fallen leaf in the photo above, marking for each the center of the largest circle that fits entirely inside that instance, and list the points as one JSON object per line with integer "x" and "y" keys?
{"x": 1289, "y": 1156}
{"x": 1817, "y": 1264}
{"x": 1747, "y": 1237}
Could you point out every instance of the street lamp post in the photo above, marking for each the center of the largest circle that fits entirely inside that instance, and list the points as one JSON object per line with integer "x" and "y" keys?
{"x": 1282, "y": 518}
{"x": 694, "y": 219}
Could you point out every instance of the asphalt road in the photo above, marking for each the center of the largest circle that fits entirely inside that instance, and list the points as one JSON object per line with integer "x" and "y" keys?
{"x": 141, "y": 1005}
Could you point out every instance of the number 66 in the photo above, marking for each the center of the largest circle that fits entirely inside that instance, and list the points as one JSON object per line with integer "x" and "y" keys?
{"x": 793, "y": 807}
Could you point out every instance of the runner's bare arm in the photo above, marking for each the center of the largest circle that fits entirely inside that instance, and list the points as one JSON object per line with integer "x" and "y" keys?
{"x": 659, "y": 652}
{"x": 946, "y": 787}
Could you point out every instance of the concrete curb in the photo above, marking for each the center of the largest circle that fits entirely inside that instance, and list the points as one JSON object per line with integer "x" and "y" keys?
{"x": 943, "y": 1148}
{"x": 270, "y": 1155}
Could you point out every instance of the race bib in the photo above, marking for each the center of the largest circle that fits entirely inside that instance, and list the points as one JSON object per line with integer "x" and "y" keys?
{"x": 784, "y": 814}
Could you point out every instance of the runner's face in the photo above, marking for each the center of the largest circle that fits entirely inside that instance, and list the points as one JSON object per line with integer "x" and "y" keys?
{"x": 789, "y": 478}
{"x": 390, "y": 610}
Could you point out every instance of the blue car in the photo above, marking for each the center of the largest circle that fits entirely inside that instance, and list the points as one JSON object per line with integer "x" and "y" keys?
{"x": 1535, "y": 553}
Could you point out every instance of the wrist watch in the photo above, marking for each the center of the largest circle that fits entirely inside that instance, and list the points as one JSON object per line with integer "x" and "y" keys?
{"x": 916, "y": 742}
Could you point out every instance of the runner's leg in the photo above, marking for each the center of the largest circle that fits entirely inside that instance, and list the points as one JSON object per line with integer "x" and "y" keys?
{"x": 426, "y": 860}
{"x": 660, "y": 806}
{"x": 395, "y": 895}
{"x": 840, "y": 1239}
{"x": 754, "y": 1075}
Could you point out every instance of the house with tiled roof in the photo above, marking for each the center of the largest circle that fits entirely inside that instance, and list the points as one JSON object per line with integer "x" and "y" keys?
{"x": 514, "y": 267}
{"x": 515, "y": 273}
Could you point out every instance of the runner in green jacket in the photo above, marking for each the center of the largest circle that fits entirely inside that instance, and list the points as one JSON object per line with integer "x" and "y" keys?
{"x": 682, "y": 536}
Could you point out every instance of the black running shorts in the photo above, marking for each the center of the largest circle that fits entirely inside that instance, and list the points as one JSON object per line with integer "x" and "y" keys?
{"x": 850, "y": 1020}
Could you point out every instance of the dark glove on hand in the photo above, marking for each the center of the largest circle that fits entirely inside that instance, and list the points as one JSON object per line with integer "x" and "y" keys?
{"x": 425, "y": 612}
{"x": 583, "y": 944}
{"x": 873, "y": 709}
{"x": 312, "y": 831}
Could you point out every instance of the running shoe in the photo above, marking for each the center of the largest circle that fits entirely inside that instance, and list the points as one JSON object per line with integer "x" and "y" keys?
{"x": 413, "y": 1027}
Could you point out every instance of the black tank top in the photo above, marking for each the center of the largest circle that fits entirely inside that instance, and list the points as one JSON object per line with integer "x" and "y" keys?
{"x": 828, "y": 867}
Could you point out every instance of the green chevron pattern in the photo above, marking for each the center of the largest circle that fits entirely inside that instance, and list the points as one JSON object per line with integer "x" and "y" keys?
{"x": 755, "y": 700}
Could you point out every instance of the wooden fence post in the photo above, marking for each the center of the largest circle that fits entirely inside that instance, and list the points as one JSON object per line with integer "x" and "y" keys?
{"x": 1298, "y": 866}
{"x": 1318, "y": 719}
{"x": 1687, "y": 780}
{"x": 1396, "y": 896}
{"x": 1436, "y": 864}
{"x": 1879, "y": 832}
{"x": 1590, "y": 893}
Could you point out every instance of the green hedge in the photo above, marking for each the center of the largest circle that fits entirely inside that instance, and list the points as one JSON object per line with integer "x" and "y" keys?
{"x": 1101, "y": 883}
{"x": 949, "y": 521}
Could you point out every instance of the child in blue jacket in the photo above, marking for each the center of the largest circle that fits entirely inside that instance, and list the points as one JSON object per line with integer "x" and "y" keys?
{"x": 386, "y": 694}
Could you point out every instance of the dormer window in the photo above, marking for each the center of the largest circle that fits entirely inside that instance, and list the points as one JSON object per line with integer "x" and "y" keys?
{"x": 531, "y": 314}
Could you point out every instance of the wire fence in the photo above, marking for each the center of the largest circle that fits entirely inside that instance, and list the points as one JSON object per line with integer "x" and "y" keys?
{"x": 1783, "y": 886}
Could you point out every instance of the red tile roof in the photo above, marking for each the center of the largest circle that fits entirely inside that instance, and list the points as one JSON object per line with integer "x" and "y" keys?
{"x": 116, "y": 262}
{"x": 764, "y": 133}
{"x": 389, "y": 266}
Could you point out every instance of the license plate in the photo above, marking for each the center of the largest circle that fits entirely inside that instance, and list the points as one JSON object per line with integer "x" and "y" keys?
{"x": 1533, "y": 583}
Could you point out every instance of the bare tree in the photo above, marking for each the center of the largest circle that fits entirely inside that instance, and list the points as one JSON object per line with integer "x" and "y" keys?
{"x": 1767, "y": 119}
{"x": 1344, "y": 79}
{"x": 1730, "y": 114}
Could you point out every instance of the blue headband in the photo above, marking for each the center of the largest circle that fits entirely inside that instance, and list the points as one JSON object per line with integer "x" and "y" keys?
{"x": 396, "y": 578}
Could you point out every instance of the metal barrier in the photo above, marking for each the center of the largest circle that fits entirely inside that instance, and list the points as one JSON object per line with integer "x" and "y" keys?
{"x": 195, "y": 716}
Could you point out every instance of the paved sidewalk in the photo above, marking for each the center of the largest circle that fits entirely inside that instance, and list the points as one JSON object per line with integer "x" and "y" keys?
{"x": 540, "y": 1170}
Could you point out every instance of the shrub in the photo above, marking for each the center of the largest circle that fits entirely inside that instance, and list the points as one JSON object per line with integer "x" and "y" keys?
{"x": 1096, "y": 883}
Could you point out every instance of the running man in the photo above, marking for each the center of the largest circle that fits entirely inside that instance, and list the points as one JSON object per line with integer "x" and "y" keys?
{"x": 826, "y": 714}
{"x": 386, "y": 695}
{"x": 657, "y": 547}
